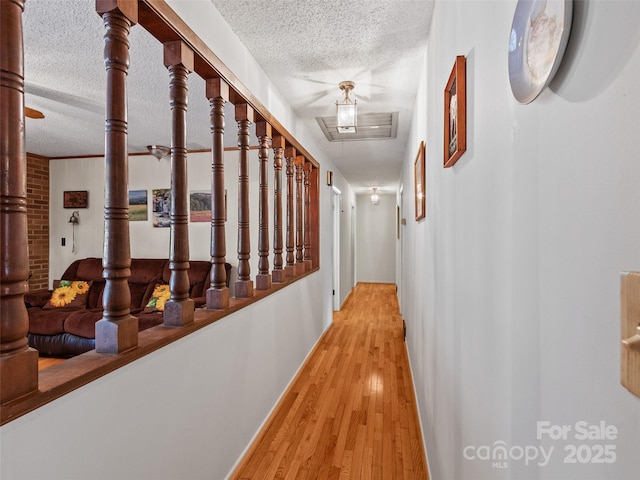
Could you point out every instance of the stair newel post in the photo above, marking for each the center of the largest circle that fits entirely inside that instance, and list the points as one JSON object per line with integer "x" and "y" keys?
{"x": 218, "y": 292}
{"x": 289, "y": 269}
{"x": 278, "y": 144}
{"x": 178, "y": 311}
{"x": 306, "y": 171}
{"x": 299, "y": 163}
{"x": 117, "y": 331}
{"x": 18, "y": 362}
{"x": 244, "y": 285}
{"x": 263, "y": 278}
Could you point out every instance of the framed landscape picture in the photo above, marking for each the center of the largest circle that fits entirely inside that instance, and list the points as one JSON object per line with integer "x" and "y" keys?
{"x": 138, "y": 210}
{"x": 455, "y": 113}
{"x": 419, "y": 182}
{"x": 200, "y": 206}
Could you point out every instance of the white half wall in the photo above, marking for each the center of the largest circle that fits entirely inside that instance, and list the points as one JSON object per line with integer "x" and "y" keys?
{"x": 511, "y": 285}
{"x": 187, "y": 410}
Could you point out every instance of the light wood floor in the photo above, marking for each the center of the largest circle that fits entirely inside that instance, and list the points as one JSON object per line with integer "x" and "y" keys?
{"x": 351, "y": 412}
{"x": 46, "y": 362}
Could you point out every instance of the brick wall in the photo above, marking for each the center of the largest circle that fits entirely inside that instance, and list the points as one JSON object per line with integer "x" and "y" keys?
{"x": 38, "y": 221}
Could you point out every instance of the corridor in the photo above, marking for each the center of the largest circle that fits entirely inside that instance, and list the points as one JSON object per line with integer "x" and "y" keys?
{"x": 351, "y": 412}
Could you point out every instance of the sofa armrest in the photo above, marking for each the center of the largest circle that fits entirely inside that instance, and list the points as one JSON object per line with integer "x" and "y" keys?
{"x": 37, "y": 299}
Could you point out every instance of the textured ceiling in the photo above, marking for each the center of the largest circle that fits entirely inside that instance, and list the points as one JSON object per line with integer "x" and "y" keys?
{"x": 306, "y": 48}
{"x": 65, "y": 78}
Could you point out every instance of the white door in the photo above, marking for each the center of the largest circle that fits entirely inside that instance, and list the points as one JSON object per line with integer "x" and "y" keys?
{"x": 337, "y": 195}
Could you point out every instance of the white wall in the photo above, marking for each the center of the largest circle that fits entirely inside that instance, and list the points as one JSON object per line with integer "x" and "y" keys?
{"x": 511, "y": 283}
{"x": 376, "y": 239}
{"x": 187, "y": 410}
{"x": 190, "y": 409}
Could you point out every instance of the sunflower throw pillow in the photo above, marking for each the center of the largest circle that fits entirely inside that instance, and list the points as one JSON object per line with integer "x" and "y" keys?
{"x": 159, "y": 297}
{"x": 69, "y": 293}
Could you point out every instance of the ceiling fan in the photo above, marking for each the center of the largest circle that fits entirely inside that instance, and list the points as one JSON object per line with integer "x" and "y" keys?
{"x": 31, "y": 113}
{"x": 361, "y": 78}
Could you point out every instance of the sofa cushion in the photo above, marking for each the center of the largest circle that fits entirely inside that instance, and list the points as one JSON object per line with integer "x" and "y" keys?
{"x": 50, "y": 321}
{"x": 87, "y": 269}
{"x": 138, "y": 294}
{"x": 148, "y": 320}
{"x": 199, "y": 278}
{"x": 159, "y": 297}
{"x": 37, "y": 299}
{"x": 146, "y": 270}
{"x": 69, "y": 294}
{"x": 95, "y": 295}
{"x": 83, "y": 322}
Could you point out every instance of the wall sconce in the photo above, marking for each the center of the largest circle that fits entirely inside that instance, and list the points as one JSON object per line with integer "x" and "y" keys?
{"x": 74, "y": 220}
{"x": 329, "y": 178}
{"x": 346, "y": 119}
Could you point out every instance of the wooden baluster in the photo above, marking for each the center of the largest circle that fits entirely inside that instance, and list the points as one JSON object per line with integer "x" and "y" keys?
{"x": 299, "y": 163}
{"x": 218, "y": 292}
{"x": 18, "y": 362}
{"x": 307, "y": 216}
{"x": 117, "y": 331}
{"x": 314, "y": 216}
{"x": 178, "y": 311}
{"x": 263, "y": 279}
{"x": 244, "y": 284}
{"x": 278, "y": 144}
{"x": 289, "y": 269}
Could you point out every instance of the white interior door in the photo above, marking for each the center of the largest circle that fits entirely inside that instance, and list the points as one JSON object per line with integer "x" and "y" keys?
{"x": 337, "y": 195}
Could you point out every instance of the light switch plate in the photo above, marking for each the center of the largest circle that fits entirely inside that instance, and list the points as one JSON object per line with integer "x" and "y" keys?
{"x": 630, "y": 331}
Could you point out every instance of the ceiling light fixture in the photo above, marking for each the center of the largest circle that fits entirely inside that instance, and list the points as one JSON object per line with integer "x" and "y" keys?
{"x": 346, "y": 112}
{"x": 159, "y": 151}
{"x": 375, "y": 198}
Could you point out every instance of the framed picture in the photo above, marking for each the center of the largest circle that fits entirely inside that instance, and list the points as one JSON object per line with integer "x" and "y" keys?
{"x": 455, "y": 113}
{"x": 200, "y": 206}
{"x": 76, "y": 199}
{"x": 138, "y": 210}
{"x": 161, "y": 207}
{"x": 419, "y": 183}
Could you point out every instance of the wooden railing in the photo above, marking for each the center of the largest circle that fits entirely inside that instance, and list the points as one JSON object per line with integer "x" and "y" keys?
{"x": 117, "y": 332}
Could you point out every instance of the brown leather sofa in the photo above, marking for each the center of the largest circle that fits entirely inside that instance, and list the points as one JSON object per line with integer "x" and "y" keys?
{"x": 68, "y": 330}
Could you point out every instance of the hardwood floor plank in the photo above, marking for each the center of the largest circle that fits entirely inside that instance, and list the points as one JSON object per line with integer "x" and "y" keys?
{"x": 321, "y": 461}
{"x": 351, "y": 412}
{"x": 46, "y": 362}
